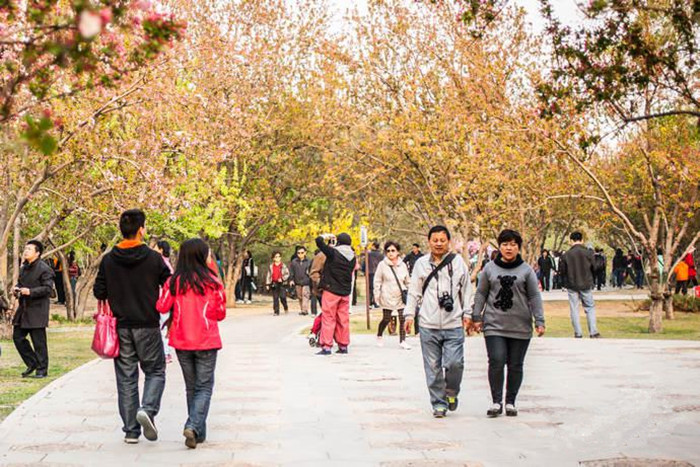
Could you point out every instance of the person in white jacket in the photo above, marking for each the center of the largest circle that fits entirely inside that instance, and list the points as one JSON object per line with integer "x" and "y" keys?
{"x": 391, "y": 281}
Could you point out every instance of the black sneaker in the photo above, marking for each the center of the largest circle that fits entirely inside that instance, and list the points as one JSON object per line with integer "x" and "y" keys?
{"x": 40, "y": 375}
{"x": 149, "y": 428}
{"x": 28, "y": 372}
{"x": 511, "y": 411}
{"x": 452, "y": 403}
{"x": 440, "y": 412}
{"x": 596, "y": 336}
{"x": 342, "y": 350}
{"x": 323, "y": 352}
{"x": 495, "y": 410}
{"x": 190, "y": 438}
{"x": 578, "y": 336}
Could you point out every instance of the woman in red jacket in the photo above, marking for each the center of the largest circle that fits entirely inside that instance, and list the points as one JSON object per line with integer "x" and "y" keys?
{"x": 198, "y": 302}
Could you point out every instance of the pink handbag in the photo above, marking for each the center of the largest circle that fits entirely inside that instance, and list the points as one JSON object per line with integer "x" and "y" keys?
{"x": 105, "y": 342}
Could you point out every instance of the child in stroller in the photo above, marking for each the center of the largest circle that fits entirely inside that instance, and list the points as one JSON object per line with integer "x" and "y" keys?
{"x": 315, "y": 333}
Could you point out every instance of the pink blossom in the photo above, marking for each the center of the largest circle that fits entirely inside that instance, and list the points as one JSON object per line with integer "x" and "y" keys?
{"x": 144, "y": 5}
{"x": 90, "y": 24}
{"x": 106, "y": 15}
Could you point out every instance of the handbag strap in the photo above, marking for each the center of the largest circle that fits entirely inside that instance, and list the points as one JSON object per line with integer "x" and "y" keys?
{"x": 103, "y": 308}
{"x": 396, "y": 277}
{"x": 447, "y": 260}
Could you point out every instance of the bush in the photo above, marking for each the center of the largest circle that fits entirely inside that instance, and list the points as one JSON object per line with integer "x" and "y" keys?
{"x": 687, "y": 303}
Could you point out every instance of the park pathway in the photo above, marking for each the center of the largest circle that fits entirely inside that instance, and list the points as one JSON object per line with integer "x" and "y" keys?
{"x": 276, "y": 403}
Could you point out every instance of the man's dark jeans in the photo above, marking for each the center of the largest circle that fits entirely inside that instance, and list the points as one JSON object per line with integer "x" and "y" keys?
{"x": 504, "y": 351}
{"x": 198, "y": 371}
{"x": 144, "y": 347}
{"x": 38, "y": 357}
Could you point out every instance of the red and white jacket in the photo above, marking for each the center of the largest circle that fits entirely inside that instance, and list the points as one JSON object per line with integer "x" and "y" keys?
{"x": 195, "y": 317}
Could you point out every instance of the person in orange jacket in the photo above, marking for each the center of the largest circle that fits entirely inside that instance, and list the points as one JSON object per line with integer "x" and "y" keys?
{"x": 682, "y": 273}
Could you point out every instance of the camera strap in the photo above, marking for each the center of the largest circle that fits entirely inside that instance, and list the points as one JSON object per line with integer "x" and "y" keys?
{"x": 433, "y": 274}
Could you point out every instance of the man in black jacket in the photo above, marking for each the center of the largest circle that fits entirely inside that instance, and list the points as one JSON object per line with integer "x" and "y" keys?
{"x": 577, "y": 269}
{"x": 299, "y": 278}
{"x": 33, "y": 290}
{"x": 130, "y": 278}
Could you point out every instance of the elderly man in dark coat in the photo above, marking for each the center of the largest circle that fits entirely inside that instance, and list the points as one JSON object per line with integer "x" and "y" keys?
{"x": 33, "y": 291}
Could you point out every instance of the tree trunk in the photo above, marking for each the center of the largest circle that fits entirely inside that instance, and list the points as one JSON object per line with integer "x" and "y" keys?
{"x": 668, "y": 305}
{"x": 233, "y": 270}
{"x": 657, "y": 305}
{"x": 83, "y": 288}
{"x": 16, "y": 250}
{"x": 65, "y": 277}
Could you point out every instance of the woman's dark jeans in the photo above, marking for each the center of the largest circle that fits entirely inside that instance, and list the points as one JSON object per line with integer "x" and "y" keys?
{"x": 198, "y": 370}
{"x": 502, "y": 352}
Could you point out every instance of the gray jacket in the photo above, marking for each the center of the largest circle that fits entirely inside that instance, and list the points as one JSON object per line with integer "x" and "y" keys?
{"x": 299, "y": 271}
{"x": 508, "y": 299}
{"x": 431, "y": 315}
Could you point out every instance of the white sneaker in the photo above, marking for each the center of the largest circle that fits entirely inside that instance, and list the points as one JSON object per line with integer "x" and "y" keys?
{"x": 380, "y": 341}
{"x": 247, "y": 302}
{"x": 511, "y": 411}
{"x": 239, "y": 301}
{"x": 404, "y": 345}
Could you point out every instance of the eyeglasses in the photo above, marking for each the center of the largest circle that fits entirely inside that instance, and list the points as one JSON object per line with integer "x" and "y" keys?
{"x": 391, "y": 250}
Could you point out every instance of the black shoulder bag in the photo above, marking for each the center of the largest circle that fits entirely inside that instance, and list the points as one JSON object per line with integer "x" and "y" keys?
{"x": 404, "y": 293}
{"x": 433, "y": 274}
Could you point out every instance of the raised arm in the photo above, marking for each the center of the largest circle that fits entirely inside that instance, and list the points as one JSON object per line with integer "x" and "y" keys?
{"x": 327, "y": 250}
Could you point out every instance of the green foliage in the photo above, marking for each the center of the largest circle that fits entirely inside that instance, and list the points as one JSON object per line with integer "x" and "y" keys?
{"x": 37, "y": 135}
{"x": 625, "y": 50}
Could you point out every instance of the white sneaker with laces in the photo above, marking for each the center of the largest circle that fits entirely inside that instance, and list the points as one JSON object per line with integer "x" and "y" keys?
{"x": 380, "y": 341}
{"x": 247, "y": 302}
{"x": 404, "y": 345}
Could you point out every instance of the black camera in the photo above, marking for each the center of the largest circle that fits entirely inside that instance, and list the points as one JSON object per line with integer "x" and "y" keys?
{"x": 446, "y": 301}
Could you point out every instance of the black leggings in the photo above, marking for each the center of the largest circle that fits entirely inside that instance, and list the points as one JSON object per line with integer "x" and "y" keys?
{"x": 387, "y": 319}
{"x": 504, "y": 351}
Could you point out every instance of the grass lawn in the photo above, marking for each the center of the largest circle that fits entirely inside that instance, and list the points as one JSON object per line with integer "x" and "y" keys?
{"x": 68, "y": 349}
{"x": 616, "y": 319}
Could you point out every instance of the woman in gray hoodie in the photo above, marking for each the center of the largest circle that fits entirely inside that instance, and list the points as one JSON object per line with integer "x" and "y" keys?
{"x": 506, "y": 303}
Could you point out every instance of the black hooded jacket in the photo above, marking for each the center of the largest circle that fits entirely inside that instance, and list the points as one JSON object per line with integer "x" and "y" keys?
{"x": 130, "y": 279}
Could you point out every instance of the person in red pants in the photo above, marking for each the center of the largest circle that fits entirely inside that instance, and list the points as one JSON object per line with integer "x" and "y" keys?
{"x": 336, "y": 284}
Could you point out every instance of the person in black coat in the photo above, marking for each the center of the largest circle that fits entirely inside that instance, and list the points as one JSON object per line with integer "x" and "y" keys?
{"x": 33, "y": 290}
{"x": 546, "y": 265}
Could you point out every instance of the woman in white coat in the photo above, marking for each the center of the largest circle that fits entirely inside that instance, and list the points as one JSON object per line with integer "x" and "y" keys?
{"x": 390, "y": 290}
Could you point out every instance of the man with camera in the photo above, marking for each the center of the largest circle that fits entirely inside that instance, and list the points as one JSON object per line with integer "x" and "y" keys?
{"x": 440, "y": 287}
{"x": 33, "y": 291}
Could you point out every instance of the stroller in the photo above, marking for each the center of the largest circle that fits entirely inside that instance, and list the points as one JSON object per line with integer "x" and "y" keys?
{"x": 315, "y": 334}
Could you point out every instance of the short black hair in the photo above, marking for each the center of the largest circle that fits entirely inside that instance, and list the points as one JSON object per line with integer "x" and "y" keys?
{"x": 37, "y": 245}
{"x": 375, "y": 244}
{"x": 510, "y": 235}
{"x": 275, "y": 253}
{"x": 391, "y": 243}
{"x": 576, "y": 236}
{"x": 438, "y": 229}
{"x": 164, "y": 247}
{"x": 416, "y": 245}
{"x": 131, "y": 221}
{"x": 300, "y": 247}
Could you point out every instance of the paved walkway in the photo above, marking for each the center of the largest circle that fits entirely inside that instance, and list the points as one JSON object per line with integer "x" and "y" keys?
{"x": 276, "y": 403}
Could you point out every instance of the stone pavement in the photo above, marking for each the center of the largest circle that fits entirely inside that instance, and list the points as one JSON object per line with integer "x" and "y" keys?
{"x": 276, "y": 403}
